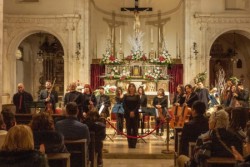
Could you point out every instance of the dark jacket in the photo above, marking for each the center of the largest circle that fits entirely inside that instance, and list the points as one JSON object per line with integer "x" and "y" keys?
{"x": 191, "y": 131}
{"x": 74, "y": 96}
{"x": 30, "y": 158}
{"x": 85, "y": 101}
{"x": 53, "y": 97}
{"x": 53, "y": 141}
{"x": 179, "y": 99}
{"x": 72, "y": 129}
{"x": 193, "y": 97}
{"x": 103, "y": 99}
{"x": 26, "y": 98}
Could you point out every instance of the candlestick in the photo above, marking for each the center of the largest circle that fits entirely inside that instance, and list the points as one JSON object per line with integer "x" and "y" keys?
{"x": 120, "y": 35}
{"x": 151, "y": 36}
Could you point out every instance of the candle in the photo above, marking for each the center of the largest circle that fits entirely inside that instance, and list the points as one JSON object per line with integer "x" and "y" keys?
{"x": 120, "y": 35}
{"x": 151, "y": 36}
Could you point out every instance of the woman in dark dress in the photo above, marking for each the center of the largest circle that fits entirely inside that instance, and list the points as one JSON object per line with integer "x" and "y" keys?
{"x": 143, "y": 106}
{"x": 131, "y": 105}
{"x": 160, "y": 104}
{"x": 179, "y": 98}
{"x": 119, "y": 110}
{"x": 88, "y": 100}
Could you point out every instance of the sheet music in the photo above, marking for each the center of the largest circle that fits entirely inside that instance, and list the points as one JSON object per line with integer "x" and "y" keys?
{"x": 101, "y": 108}
{"x": 156, "y": 112}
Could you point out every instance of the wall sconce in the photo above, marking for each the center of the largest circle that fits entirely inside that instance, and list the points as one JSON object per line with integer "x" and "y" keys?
{"x": 78, "y": 48}
{"x": 195, "y": 49}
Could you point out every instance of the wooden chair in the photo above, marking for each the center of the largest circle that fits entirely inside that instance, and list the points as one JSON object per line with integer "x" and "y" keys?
{"x": 219, "y": 161}
{"x": 78, "y": 150}
{"x": 59, "y": 159}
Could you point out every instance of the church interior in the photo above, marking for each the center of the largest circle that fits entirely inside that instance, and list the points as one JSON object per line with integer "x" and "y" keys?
{"x": 154, "y": 44}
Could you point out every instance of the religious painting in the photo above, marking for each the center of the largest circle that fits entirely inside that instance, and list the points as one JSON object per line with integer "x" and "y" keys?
{"x": 162, "y": 84}
{"x": 136, "y": 71}
{"x": 151, "y": 87}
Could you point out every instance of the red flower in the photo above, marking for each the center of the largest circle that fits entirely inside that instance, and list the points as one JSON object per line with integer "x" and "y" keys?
{"x": 112, "y": 58}
{"x": 129, "y": 57}
{"x": 144, "y": 58}
{"x": 161, "y": 58}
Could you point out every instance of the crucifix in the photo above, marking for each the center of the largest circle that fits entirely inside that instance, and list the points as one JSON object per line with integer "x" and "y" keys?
{"x": 136, "y": 11}
{"x": 159, "y": 23}
{"x": 113, "y": 24}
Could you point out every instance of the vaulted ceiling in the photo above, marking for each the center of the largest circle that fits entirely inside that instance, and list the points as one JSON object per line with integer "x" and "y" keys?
{"x": 164, "y": 6}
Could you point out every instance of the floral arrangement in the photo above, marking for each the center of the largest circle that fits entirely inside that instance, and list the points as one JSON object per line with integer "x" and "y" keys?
{"x": 108, "y": 89}
{"x": 114, "y": 73}
{"x": 125, "y": 74}
{"x": 200, "y": 77}
{"x": 137, "y": 55}
{"x": 154, "y": 75}
{"x": 109, "y": 58}
{"x": 163, "y": 59}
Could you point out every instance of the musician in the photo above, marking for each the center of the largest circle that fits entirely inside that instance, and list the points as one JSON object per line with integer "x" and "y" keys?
{"x": 88, "y": 99}
{"x": 103, "y": 99}
{"x": 226, "y": 94}
{"x": 131, "y": 105}
{"x": 74, "y": 96}
{"x": 118, "y": 109}
{"x": 21, "y": 98}
{"x": 160, "y": 103}
{"x": 179, "y": 98}
{"x": 202, "y": 93}
{"x": 49, "y": 97}
{"x": 190, "y": 96}
{"x": 143, "y": 105}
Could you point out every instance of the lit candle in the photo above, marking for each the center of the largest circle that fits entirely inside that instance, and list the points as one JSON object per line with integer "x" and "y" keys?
{"x": 120, "y": 35}
{"x": 152, "y": 36}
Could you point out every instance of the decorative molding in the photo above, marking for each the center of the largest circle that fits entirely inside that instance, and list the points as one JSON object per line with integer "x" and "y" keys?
{"x": 171, "y": 11}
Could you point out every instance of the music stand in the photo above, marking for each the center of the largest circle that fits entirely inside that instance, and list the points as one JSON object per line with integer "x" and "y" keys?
{"x": 35, "y": 104}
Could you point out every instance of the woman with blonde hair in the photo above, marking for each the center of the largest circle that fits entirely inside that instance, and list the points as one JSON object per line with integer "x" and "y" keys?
{"x": 18, "y": 149}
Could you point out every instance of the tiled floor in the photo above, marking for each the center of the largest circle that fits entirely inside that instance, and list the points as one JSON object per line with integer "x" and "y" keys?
{"x": 144, "y": 155}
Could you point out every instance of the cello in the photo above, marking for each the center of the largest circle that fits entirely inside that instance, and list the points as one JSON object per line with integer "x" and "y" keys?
{"x": 176, "y": 113}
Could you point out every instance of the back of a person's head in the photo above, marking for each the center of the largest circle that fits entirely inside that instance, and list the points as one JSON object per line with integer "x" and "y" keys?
{"x": 71, "y": 108}
{"x": 42, "y": 121}
{"x": 220, "y": 118}
{"x": 239, "y": 118}
{"x": 199, "y": 107}
{"x": 8, "y": 118}
{"x": 19, "y": 138}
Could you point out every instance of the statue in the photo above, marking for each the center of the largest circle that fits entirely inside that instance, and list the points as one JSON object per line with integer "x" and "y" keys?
{"x": 137, "y": 23}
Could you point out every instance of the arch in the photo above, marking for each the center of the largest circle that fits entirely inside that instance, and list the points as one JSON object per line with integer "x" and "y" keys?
{"x": 16, "y": 41}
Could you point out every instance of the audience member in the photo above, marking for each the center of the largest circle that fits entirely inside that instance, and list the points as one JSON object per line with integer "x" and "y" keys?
{"x": 18, "y": 149}
{"x": 195, "y": 127}
{"x": 3, "y": 131}
{"x": 8, "y": 118}
{"x": 42, "y": 125}
{"x": 70, "y": 127}
{"x": 243, "y": 162}
{"x": 96, "y": 125}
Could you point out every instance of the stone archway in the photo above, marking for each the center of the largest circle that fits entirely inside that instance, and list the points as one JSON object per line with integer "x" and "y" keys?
{"x": 225, "y": 51}
{"x": 41, "y": 60}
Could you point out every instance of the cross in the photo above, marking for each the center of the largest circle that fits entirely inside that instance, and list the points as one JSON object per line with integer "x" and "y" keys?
{"x": 112, "y": 23}
{"x": 136, "y": 8}
{"x": 159, "y": 23}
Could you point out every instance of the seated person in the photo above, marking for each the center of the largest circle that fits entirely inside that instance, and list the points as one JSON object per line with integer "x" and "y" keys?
{"x": 70, "y": 127}
{"x": 243, "y": 162}
{"x": 43, "y": 128}
{"x": 96, "y": 125}
{"x": 195, "y": 127}
{"x": 3, "y": 131}
{"x": 8, "y": 118}
{"x": 18, "y": 149}
{"x": 217, "y": 141}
